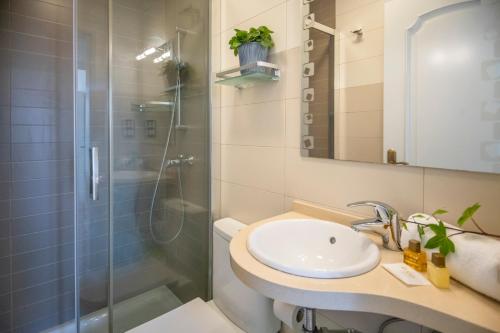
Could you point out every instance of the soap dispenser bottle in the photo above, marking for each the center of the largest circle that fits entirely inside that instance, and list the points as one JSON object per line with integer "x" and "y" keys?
{"x": 414, "y": 257}
{"x": 437, "y": 271}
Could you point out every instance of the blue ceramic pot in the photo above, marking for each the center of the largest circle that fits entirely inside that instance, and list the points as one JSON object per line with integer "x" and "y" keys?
{"x": 252, "y": 52}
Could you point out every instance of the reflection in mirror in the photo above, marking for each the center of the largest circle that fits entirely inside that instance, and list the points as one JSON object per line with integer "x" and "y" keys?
{"x": 402, "y": 82}
{"x": 318, "y": 78}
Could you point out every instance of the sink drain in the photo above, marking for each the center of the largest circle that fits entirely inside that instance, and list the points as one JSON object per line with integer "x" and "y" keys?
{"x": 333, "y": 240}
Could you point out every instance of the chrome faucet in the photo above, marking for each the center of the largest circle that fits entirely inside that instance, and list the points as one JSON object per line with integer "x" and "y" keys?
{"x": 385, "y": 224}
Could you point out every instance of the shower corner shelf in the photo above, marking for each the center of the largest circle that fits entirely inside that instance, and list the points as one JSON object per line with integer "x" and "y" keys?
{"x": 262, "y": 72}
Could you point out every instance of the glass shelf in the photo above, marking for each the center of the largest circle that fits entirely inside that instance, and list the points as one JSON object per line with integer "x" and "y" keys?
{"x": 257, "y": 72}
{"x": 153, "y": 106}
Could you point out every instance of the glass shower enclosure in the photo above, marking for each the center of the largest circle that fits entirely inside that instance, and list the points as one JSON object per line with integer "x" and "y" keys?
{"x": 104, "y": 162}
{"x": 142, "y": 133}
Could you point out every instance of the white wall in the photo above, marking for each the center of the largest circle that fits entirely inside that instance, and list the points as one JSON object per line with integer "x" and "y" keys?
{"x": 257, "y": 167}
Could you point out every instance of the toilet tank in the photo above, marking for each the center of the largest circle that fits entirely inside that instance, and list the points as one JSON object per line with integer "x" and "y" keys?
{"x": 249, "y": 310}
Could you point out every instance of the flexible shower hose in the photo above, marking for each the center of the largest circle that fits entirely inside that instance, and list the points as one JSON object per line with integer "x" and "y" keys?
{"x": 179, "y": 182}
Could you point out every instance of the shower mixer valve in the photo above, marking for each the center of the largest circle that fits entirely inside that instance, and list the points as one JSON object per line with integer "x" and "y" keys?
{"x": 180, "y": 160}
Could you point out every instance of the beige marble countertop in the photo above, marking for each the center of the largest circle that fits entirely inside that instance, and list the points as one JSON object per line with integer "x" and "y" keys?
{"x": 458, "y": 309}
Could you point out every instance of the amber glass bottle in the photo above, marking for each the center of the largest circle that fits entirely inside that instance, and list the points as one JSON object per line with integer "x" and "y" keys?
{"x": 438, "y": 273}
{"x": 414, "y": 257}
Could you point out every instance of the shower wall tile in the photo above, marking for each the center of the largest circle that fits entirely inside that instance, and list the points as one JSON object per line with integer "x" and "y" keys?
{"x": 42, "y": 222}
{"x": 36, "y": 165}
{"x": 40, "y": 240}
{"x": 45, "y": 46}
{"x": 41, "y": 310}
{"x": 5, "y": 5}
{"x": 42, "y": 257}
{"x": 41, "y": 151}
{"x": 4, "y": 191}
{"x": 36, "y": 276}
{"x": 41, "y": 292}
{"x": 41, "y": 169}
{"x": 37, "y": 27}
{"x": 43, "y": 10}
{"x": 5, "y": 322}
{"x": 4, "y": 209}
{"x": 40, "y": 116}
{"x": 29, "y": 134}
{"x": 5, "y": 269}
{"x": 5, "y": 226}
{"x": 41, "y": 205}
{"x": 4, "y": 247}
{"x": 62, "y": 316}
{"x": 4, "y": 285}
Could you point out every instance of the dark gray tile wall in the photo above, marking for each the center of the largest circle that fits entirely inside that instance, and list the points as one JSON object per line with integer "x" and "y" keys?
{"x": 36, "y": 165}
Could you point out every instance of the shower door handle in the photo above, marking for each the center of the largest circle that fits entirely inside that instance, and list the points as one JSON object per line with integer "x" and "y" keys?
{"x": 94, "y": 173}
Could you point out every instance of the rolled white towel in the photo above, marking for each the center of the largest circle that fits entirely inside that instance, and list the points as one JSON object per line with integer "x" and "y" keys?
{"x": 476, "y": 261}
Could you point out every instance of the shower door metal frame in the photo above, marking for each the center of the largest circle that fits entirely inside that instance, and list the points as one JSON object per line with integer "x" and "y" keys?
{"x": 110, "y": 171}
{"x": 75, "y": 166}
{"x": 77, "y": 169}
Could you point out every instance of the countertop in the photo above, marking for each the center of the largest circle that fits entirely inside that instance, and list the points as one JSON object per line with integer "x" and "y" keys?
{"x": 458, "y": 309}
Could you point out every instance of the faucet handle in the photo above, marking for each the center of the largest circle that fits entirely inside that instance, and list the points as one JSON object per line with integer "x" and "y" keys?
{"x": 384, "y": 212}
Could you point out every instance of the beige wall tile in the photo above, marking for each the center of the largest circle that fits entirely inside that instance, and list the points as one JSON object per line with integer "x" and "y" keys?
{"x": 336, "y": 183}
{"x": 361, "y": 72}
{"x": 361, "y": 124}
{"x": 233, "y": 12}
{"x": 215, "y": 199}
{"x": 361, "y": 98}
{"x": 249, "y": 204}
{"x": 216, "y": 112}
{"x": 293, "y": 123}
{"x": 216, "y": 161}
{"x": 363, "y": 149}
{"x": 292, "y": 73}
{"x": 349, "y": 49}
{"x": 261, "y": 167}
{"x": 343, "y": 6}
{"x": 260, "y": 124}
{"x": 293, "y": 24}
{"x": 368, "y": 17}
{"x": 216, "y": 17}
{"x": 456, "y": 190}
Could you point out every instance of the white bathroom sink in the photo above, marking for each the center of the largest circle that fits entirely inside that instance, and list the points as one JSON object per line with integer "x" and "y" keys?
{"x": 313, "y": 248}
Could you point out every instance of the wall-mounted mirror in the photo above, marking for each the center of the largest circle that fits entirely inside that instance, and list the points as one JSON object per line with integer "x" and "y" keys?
{"x": 412, "y": 82}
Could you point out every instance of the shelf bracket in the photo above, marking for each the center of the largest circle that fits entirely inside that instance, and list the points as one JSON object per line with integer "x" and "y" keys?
{"x": 310, "y": 23}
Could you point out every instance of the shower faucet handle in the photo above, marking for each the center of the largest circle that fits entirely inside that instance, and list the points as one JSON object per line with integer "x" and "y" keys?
{"x": 180, "y": 160}
{"x": 189, "y": 159}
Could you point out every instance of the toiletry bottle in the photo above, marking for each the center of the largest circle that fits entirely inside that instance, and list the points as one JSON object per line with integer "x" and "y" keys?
{"x": 415, "y": 258}
{"x": 437, "y": 271}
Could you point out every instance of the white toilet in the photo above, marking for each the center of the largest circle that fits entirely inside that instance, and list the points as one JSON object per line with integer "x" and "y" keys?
{"x": 235, "y": 307}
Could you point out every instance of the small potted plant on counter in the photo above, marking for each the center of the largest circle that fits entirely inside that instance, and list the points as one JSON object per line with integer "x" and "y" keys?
{"x": 252, "y": 45}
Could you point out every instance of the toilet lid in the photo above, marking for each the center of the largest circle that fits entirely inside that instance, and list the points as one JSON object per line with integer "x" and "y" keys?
{"x": 193, "y": 317}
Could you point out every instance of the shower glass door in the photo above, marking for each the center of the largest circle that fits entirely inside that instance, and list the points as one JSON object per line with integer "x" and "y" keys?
{"x": 160, "y": 156}
{"x": 142, "y": 122}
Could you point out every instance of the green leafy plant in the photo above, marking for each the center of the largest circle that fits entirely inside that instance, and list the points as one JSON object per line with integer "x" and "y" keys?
{"x": 441, "y": 239}
{"x": 260, "y": 35}
{"x": 170, "y": 68}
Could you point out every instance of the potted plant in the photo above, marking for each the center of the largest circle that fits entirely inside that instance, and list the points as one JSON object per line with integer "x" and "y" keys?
{"x": 252, "y": 45}
{"x": 169, "y": 71}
